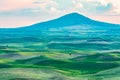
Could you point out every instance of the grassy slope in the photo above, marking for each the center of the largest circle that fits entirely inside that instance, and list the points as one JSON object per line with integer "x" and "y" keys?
{"x": 70, "y": 59}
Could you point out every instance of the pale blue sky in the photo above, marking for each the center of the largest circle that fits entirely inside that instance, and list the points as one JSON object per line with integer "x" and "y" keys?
{"x": 16, "y": 13}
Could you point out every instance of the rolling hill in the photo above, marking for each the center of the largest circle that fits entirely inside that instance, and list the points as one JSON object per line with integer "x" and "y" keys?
{"x": 71, "y": 47}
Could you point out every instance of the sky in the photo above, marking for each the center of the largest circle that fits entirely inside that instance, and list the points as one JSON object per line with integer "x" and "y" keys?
{"x": 18, "y": 13}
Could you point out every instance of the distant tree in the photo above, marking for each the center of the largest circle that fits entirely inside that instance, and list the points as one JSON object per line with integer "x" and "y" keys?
{"x": 70, "y": 53}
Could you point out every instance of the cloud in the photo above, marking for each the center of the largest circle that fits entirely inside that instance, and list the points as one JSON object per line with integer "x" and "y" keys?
{"x": 47, "y": 5}
{"x": 58, "y": 6}
{"x": 115, "y": 8}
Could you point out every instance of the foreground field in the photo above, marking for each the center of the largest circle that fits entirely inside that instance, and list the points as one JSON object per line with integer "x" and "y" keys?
{"x": 41, "y": 61}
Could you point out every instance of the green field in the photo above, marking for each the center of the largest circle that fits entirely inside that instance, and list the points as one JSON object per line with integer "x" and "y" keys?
{"x": 59, "y": 59}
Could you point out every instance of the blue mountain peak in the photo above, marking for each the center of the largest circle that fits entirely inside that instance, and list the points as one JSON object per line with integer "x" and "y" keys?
{"x": 71, "y": 19}
{"x": 76, "y": 16}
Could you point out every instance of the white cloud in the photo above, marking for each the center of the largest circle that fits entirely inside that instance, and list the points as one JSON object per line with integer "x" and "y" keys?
{"x": 45, "y": 4}
{"x": 78, "y": 5}
{"x": 115, "y": 5}
{"x": 58, "y": 5}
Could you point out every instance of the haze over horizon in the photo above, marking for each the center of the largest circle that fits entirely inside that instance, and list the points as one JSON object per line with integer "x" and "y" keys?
{"x": 17, "y": 13}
